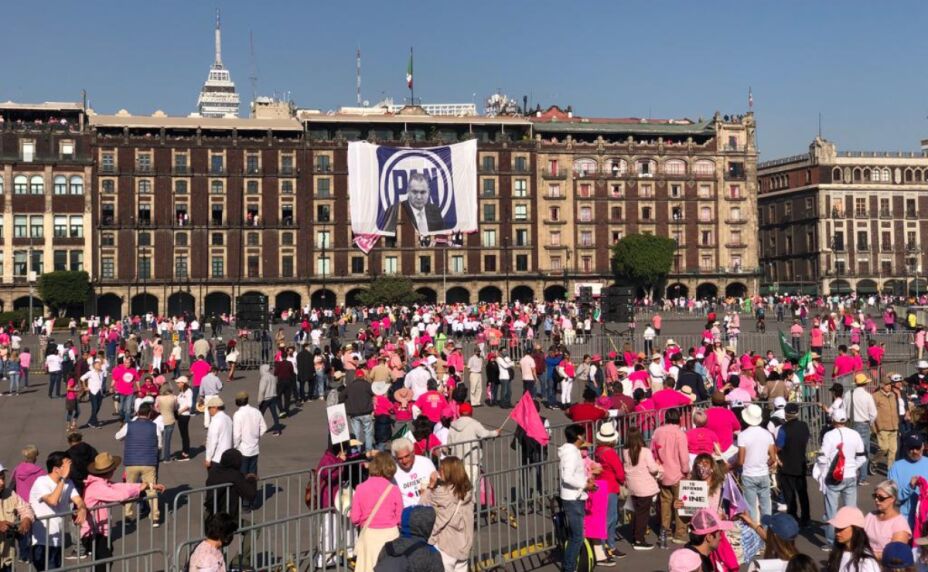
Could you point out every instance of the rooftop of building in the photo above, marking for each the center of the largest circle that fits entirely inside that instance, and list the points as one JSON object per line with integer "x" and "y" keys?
{"x": 159, "y": 120}
{"x": 556, "y": 120}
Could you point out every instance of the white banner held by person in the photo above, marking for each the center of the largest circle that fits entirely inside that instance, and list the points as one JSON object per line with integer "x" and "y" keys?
{"x": 434, "y": 187}
{"x": 338, "y": 423}
{"x": 695, "y": 495}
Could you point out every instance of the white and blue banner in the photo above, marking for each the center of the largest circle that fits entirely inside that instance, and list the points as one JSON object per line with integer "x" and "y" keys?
{"x": 434, "y": 189}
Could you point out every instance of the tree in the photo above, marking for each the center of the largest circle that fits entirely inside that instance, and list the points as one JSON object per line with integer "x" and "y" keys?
{"x": 392, "y": 290}
{"x": 643, "y": 260}
{"x": 63, "y": 288}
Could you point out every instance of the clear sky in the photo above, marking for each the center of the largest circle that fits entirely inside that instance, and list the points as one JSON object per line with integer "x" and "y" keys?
{"x": 859, "y": 63}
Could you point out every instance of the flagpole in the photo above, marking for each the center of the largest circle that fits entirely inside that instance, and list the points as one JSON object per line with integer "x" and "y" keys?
{"x": 412, "y": 81}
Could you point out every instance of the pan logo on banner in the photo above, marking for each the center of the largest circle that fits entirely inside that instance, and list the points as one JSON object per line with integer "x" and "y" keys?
{"x": 432, "y": 189}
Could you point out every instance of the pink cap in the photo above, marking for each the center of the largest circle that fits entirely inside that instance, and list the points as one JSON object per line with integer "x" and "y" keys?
{"x": 848, "y": 516}
{"x": 705, "y": 522}
{"x": 684, "y": 560}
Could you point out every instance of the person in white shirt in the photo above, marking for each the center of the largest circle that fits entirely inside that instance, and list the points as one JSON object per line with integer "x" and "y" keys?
{"x": 53, "y": 494}
{"x": 574, "y": 488}
{"x": 656, "y": 372}
{"x": 757, "y": 454}
{"x": 248, "y": 427}
{"x": 843, "y": 492}
{"x": 184, "y": 408}
{"x": 417, "y": 380}
{"x": 219, "y": 434}
{"x": 53, "y": 367}
{"x": 94, "y": 379}
{"x": 413, "y": 472}
{"x": 860, "y": 409}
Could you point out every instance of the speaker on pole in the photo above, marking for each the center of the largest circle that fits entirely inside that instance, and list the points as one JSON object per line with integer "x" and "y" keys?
{"x": 618, "y": 303}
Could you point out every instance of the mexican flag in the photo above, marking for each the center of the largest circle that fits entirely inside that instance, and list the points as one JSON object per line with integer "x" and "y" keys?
{"x": 409, "y": 71}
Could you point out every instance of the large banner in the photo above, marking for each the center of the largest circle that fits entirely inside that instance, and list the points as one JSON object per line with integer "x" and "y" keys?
{"x": 435, "y": 188}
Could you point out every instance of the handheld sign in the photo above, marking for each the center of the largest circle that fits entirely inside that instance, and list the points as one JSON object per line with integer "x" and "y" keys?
{"x": 695, "y": 495}
{"x": 338, "y": 423}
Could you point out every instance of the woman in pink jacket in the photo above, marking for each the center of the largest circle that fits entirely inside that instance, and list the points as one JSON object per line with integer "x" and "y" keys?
{"x": 641, "y": 471}
{"x": 376, "y": 508}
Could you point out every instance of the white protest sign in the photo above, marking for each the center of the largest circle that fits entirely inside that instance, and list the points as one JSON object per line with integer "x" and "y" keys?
{"x": 338, "y": 423}
{"x": 695, "y": 495}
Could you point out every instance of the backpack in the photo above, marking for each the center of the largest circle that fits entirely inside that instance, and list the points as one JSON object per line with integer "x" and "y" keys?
{"x": 586, "y": 561}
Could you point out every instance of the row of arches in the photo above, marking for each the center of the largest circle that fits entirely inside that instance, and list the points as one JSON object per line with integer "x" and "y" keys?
{"x": 867, "y": 286}
{"x": 707, "y": 290}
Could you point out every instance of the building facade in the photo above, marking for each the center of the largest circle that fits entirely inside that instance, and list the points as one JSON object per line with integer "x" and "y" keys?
{"x": 841, "y": 222}
{"x": 45, "y": 172}
{"x": 187, "y": 213}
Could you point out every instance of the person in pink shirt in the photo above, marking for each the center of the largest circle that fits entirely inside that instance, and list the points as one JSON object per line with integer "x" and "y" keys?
{"x": 99, "y": 491}
{"x": 700, "y": 439}
{"x": 431, "y": 404}
{"x": 816, "y": 339}
{"x": 722, "y": 421}
{"x": 667, "y": 398}
{"x": 376, "y": 508}
{"x": 656, "y": 322}
{"x": 844, "y": 364}
{"x": 25, "y": 362}
{"x": 198, "y": 369}
{"x": 671, "y": 449}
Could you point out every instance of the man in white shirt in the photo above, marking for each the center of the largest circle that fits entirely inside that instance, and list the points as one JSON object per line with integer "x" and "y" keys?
{"x": 248, "y": 427}
{"x": 94, "y": 379}
{"x": 529, "y": 375}
{"x": 839, "y": 493}
{"x": 219, "y": 434}
{"x": 656, "y": 373}
{"x": 574, "y": 487}
{"x": 757, "y": 454}
{"x": 53, "y": 367}
{"x": 413, "y": 472}
{"x": 475, "y": 378}
{"x": 210, "y": 385}
{"x": 53, "y": 494}
{"x": 860, "y": 409}
{"x": 418, "y": 379}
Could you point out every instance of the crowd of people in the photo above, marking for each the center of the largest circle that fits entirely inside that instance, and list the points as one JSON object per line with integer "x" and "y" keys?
{"x": 410, "y": 392}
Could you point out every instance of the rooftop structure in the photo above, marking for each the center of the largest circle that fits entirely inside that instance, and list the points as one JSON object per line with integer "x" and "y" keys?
{"x": 218, "y": 97}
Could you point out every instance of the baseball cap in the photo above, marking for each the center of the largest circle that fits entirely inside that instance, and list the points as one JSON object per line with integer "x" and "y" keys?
{"x": 914, "y": 441}
{"x": 684, "y": 560}
{"x": 467, "y": 409}
{"x": 897, "y": 556}
{"x": 781, "y": 524}
{"x": 921, "y": 364}
{"x": 779, "y": 402}
{"x": 848, "y": 516}
{"x": 839, "y": 416}
{"x": 704, "y": 522}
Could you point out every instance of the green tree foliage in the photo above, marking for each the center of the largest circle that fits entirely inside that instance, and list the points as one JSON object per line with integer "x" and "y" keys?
{"x": 394, "y": 290}
{"x": 63, "y": 288}
{"x": 643, "y": 260}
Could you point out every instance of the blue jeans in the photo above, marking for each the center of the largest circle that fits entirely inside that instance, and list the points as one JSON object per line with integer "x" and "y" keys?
{"x": 166, "y": 442}
{"x": 837, "y": 496}
{"x": 25, "y": 375}
{"x": 126, "y": 407}
{"x": 757, "y": 489}
{"x": 612, "y": 520}
{"x": 363, "y": 428}
{"x": 54, "y": 384}
{"x": 574, "y": 511}
{"x": 250, "y": 465}
{"x": 96, "y": 401}
{"x": 39, "y": 555}
{"x": 320, "y": 385}
{"x": 863, "y": 429}
{"x": 272, "y": 405}
{"x": 14, "y": 381}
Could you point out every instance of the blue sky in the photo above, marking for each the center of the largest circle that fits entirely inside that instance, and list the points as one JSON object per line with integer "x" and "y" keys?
{"x": 861, "y": 64}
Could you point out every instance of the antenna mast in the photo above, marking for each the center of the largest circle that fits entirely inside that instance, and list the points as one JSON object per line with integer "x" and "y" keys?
{"x": 358, "y": 74}
{"x": 254, "y": 67}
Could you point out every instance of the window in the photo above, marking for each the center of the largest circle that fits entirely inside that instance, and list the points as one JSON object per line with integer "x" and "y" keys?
{"x": 586, "y": 264}
{"x": 180, "y": 239}
{"x": 489, "y": 212}
{"x": 36, "y": 185}
{"x": 180, "y": 164}
{"x": 705, "y": 263}
{"x": 676, "y": 213}
{"x": 617, "y": 236}
{"x": 145, "y": 213}
{"x": 586, "y": 238}
{"x": 216, "y": 211}
{"x": 143, "y": 162}
{"x": 60, "y": 227}
{"x": 457, "y": 264}
{"x": 862, "y": 239}
{"x": 253, "y": 239}
{"x": 554, "y": 191}
{"x": 108, "y": 239}
{"x": 705, "y": 237}
{"x": 556, "y": 263}
{"x": 28, "y": 148}
{"x": 286, "y": 238}
{"x": 646, "y": 191}
{"x": 555, "y": 238}
{"x": 704, "y": 191}
{"x": 585, "y": 190}
{"x": 216, "y": 187}
{"x": 389, "y": 265}
{"x": 76, "y": 260}
{"x": 323, "y": 163}
{"x": 521, "y": 164}
{"x": 108, "y": 162}
{"x": 489, "y": 187}
{"x": 215, "y": 164}
{"x": 77, "y": 185}
{"x": 645, "y": 213}
{"x": 734, "y": 191}
{"x": 217, "y": 267}
{"x": 60, "y": 260}
{"x": 286, "y": 187}
{"x": 645, "y": 167}
{"x": 705, "y": 214}
{"x": 704, "y": 168}
{"x": 521, "y": 237}
{"x": 36, "y": 226}
{"x": 108, "y": 267}
{"x": 357, "y": 265}
{"x": 144, "y": 239}
{"x": 489, "y": 263}
{"x": 322, "y": 213}
{"x": 736, "y": 237}
{"x": 286, "y": 214}
{"x": 253, "y": 266}
{"x": 616, "y": 190}
{"x": 286, "y": 164}
{"x": 144, "y": 267}
{"x": 19, "y": 263}
{"x": 554, "y": 214}
{"x": 425, "y": 264}
{"x": 617, "y": 167}
{"x": 251, "y": 164}
{"x": 860, "y": 206}
{"x": 489, "y": 238}
{"x": 676, "y": 191}
{"x": 520, "y": 212}
{"x": 60, "y": 185}
{"x": 180, "y": 266}
{"x": 216, "y": 239}
{"x": 323, "y": 239}
{"x": 180, "y": 187}
{"x": 488, "y": 163}
{"x": 675, "y": 167}
{"x": 286, "y": 266}
{"x": 324, "y": 187}
{"x": 520, "y": 188}
{"x": 586, "y": 214}
{"x": 251, "y": 187}
{"x": 521, "y": 262}
{"x": 615, "y": 213}
{"x": 76, "y": 227}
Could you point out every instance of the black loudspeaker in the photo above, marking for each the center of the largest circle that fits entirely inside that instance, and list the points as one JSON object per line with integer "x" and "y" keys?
{"x": 618, "y": 303}
{"x": 586, "y": 294}
{"x": 252, "y": 311}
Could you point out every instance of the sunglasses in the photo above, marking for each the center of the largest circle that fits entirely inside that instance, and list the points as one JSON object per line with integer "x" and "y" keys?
{"x": 880, "y": 498}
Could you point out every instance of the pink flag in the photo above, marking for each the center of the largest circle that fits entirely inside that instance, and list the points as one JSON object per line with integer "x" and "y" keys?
{"x": 527, "y": 417}
{"x": 366, "y": 242}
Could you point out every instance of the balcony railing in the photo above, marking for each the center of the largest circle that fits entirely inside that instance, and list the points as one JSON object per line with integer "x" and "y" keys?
{"x": 886, "y": 213}
{"x": 287, "y": 170}
{"x": 181, "y": 170}
{"x": 144, "y": 169}
{"x": 911, "y": 214}
{"x": 911, "y": 246}
{"x": 252, "y": 170}
{"x": 556, "y": 174}
{"x": 837, "y": 213}
{"x": 735, "y": 221}
{"x": 587, "y": 174}
{"x": 858, "y": 213}
{"x": 886, "y": 247}
{"x": 322, "y": 168}
{"x": 863, "y": 247}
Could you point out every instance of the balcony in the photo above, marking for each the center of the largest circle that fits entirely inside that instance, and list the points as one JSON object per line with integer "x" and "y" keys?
{"x": 557, "y": 174}
{"x": 553, "y": 221}
{"x": 838, "y": 247}
{"x": 886, "y": 247}
{"x": 860, "y": 213}
{"x": 487, "y": 169}
{"x": 322, "y": 168}
{"x": 217, "y": 170}
{"x": 886, "y": 213}
{"x": 863, "y": 247}
{"x": 587, "y": 174}
{"x": 911, "y": 213}
{"x": 706, "y": 220}
{"x": 557, "y": 197}
{"x": 108, "y": 170}
{"x": 911, "y": 247}
{"x": 739, "y": 244}
{"x": 735, "y": 221}
{"x": 583, "y": 220}
{"x": 837, "y": 213}
{"x": 144, "y": 169}
{"x": 735, "y": 198}
{"x": 252, "y": 170}
{"x": 287, "y": 171}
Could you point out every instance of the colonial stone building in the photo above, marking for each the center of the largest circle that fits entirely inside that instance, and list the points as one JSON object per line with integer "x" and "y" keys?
{"x": 843, "y": 221}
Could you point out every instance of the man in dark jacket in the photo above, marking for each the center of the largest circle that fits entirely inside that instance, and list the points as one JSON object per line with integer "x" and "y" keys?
{"x": 141, "y": 438}
{"x": 689, "y": 378}
{"x": 286, "y": 377}
{"x": 411, "y": 552}
{"x": 231, "y": 489}
{"x": 359, "y": 405}
{"x": 82, "y": 455}
{"x": 791, "y": 442}
{"x": 305, "y": 372}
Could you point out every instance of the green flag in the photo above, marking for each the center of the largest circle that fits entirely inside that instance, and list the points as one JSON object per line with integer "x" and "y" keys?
{"x": 803, "y": 364}
{"x": 788, "y": 351}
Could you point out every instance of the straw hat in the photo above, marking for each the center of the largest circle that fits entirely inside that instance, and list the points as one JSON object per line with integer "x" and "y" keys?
{"x": 607, "y": 433}
{"x": 861, "y": 379}
{"x": 688, "y": 391}
{"x": 752, "y": 415}
{"x": 380, "y": 387}
{"x": 103, "y": 463}
{"x": 182, "y": 379}
{"x": 214, "y": 401}
{"x": 403, "y": 395}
